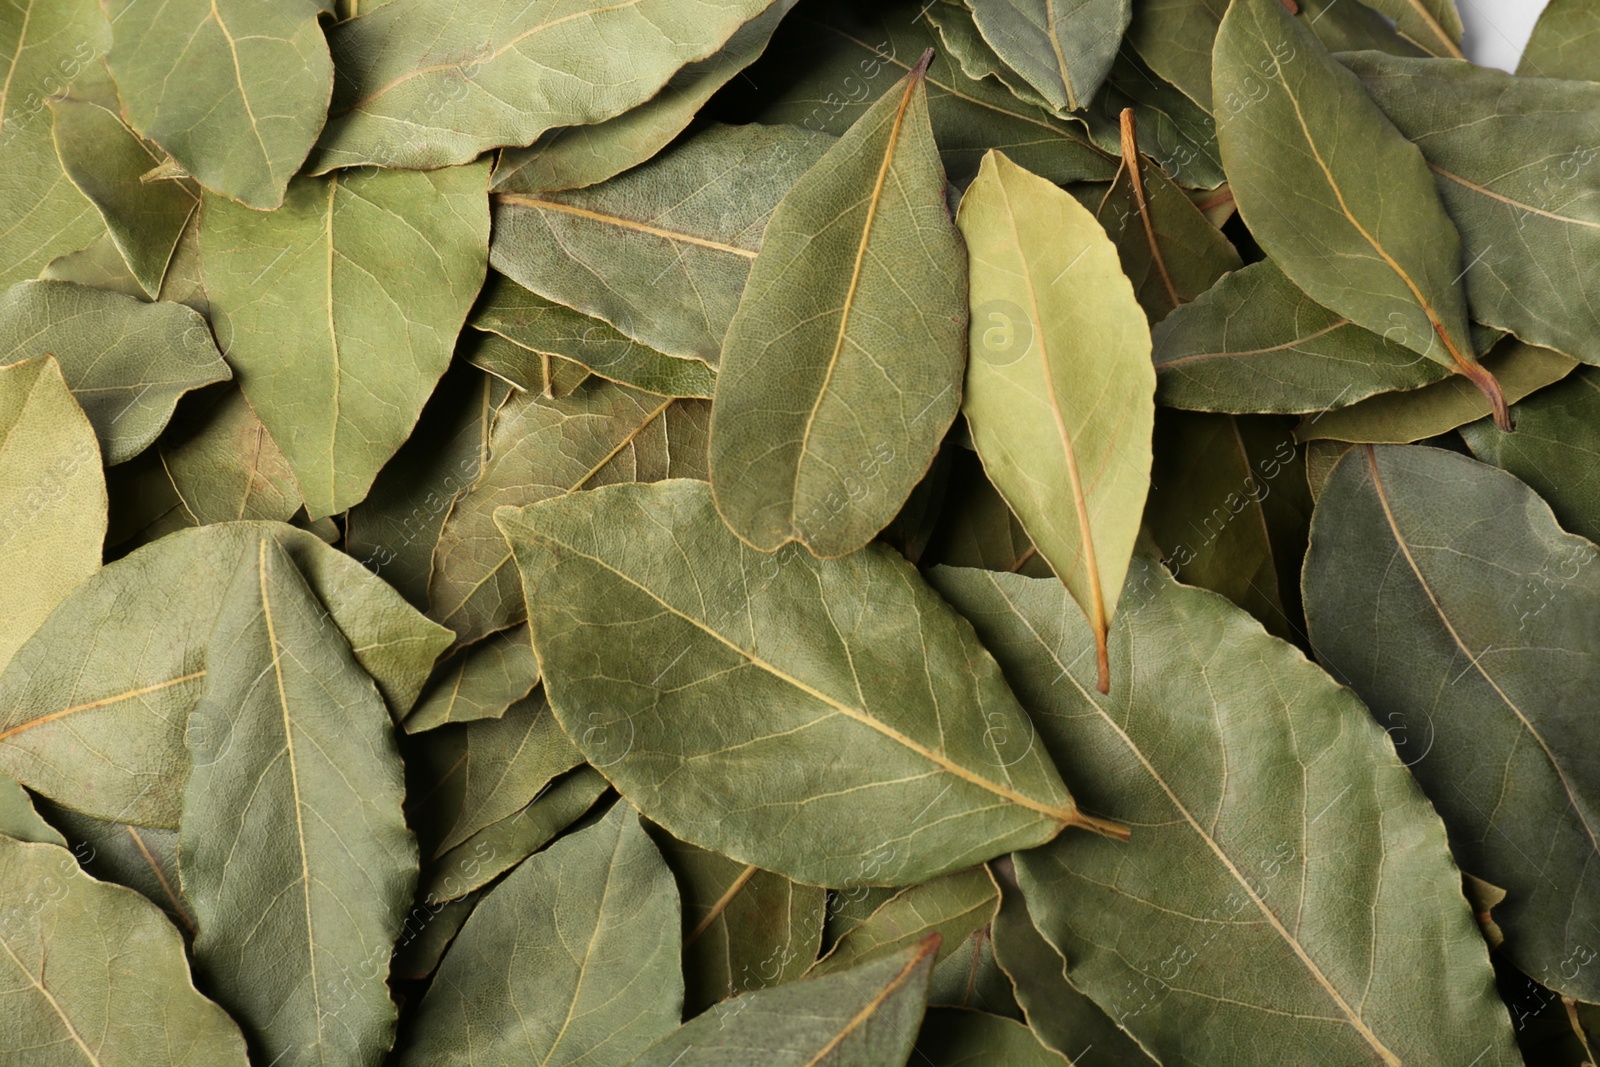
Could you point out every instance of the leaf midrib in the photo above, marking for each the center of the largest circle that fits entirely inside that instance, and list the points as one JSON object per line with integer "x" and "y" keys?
{"x": 55, "y": 1005}
{"x": 929, "y": 947}
{"x": 522, "y": 200}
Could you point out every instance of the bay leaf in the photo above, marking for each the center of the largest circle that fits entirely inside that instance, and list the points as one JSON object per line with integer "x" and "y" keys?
{"x": 139, "y": 857}
{"x": 663, "y": 639}
{"x": 833, "y": 60}
{"x": 836, "y": 383}
{"x": 479, "y": 682}
{"x": 105, "y": 160}
{"x": 953, "y": 906}
{"x": 1553, "y": 450}
{"x": 851, "y": 906}
{"x": 1321, "y": 458}
{"x": 1255, "y": 342}
{"x": 959, "y": 1037}
{"x": 962, "y": 39}
{"x": 516, "y": 987}
{"x": 98, "y": 264}
{"x": 979, "y": 530}
{"x": 1175, "y": 132}
{"x": 235, "y": 91}
{"x": 339, "y": 311}
{"x": 969, "y": 977}
{"x": 1061, "y": 371}
{"x": 19, "y": 819}
{"x": 1563, "y": 42}
{"x": 547, "y": 330}
{"x": 572, "y": 157}
{"x": 1522, "y": 183}
{"x": 1433, "y": 25}
{"x": 47, "y": 43}
{"x": 1249, "y": 939}
{"x": 1063, "y": 51}
{"x": 430, "y": 930}
{"x": 52, "y": 498}
{"x": 539, "y": 449}
{"x": 1369, "y": 237}
{"x": 95, "y": 974}
{"x": 864, "y": 1016}
{"x": 93, "y": 712}
{"x": 1417, "y": 414}
{"x": 1498, "y": 624}
{"x": 128, "y": 361}
{"x": 661, "y": 252}
{"x": 424, "y": 84}
{"x": 743, "y": 928}
{"x": 523, "y": 369}
{"x": 393, "y": 531}
{"x": 295, "y": 855}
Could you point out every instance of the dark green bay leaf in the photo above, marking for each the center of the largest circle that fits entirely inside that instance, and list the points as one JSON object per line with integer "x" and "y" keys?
{"x": 94, "y": 974}
{"x": 663, "y": 251}
{"x": 394, "y": 531}
{"x": 139, "y": 857}
{"x": 1321, "y": 458}
{"x": 105, "y": 160}
{"x": 1417, "y": 414}
{"x": 339, "y": 311}
{"x": 1554, "y": 448}
{"x": 868, "y": 1015}
{"x": 424, "y": 83}
{"x": 479, "y": 682}
{"x": 978, "y": 529}
{"x": 91, "y": 689}
{"x": 601, "y": 434}
{"x": 295, "y": 855}
{"x": 1174, "y": 131}
{"x": 959, "y": 1037}
{"x": 969, "y": 977}
{"x": 429, "y": 930}
{"x": 743, "y": 928}
{"x": 1564, "y": 42}
{"x": 1255, "y": 342}
{"x": 1476, "y": 645}
{"x": 1335, "y": 194}
{"x": 831, "y": 61}
{"x": 1521, "y": 179}
{"x": 573, "y": 959}
{"x": 1059, "y": 371}
{"x": 841, "y": 370}
{"x": 47, "y": 43}
{"x": 572, "y": 157}
{"x": 1063, "y": 50}
{"x": 52, "y": 498}
{"x": 1432, "y": 25}
{"x": 753, "y": 666}
{"x": 20, "y": 820}
{"x": 962, "y": 39}
{"x": 1059, "y": 1015}
{"x": 127, "y": 361}
{"x": 547, "y": 331}
{"x": 954, "y": 906}
{"x": 850, "y": 907}
{"x": 1230, "y": 508}
{"x": 234, "y": 90}
{"x": 1266, "y": 783}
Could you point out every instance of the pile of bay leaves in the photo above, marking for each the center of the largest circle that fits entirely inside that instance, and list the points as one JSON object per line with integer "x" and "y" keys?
{"x": 794, "y": 532}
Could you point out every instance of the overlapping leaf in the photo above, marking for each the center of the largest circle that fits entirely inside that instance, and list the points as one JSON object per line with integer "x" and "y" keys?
{"x": 479, "y": 682}
{"x": 954, "y": 907}
{"x": 1063, "y": 50}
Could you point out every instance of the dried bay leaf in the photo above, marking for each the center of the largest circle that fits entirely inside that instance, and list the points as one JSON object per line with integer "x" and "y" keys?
{"x": 572, "y": 157}
{"x": 91, "y": 689}
{"x": 1064, "y": 51}
{"x": 429, "y": 83}
{"x": 1554, "y": 448}
{"x": 752, "y": 664}
{"x": 52, "y": 498}
{"x": 960, "y": 1037}
{"x": 1433, "y": 25}
{"x": 868, "y": 1015}
{"x": 663, "y": 251}
{"x": 1563, "y": 42}
{"x": 1363, "y": 232}
{"x": 339, "y": 311}
{"x": 479, "y": 682}
{"x": 1476, "y": 645}
{"x": 953, "y": 906}
{"x": 547, "y": 330}
{"x": 20, "y": 820}
{"x": 235, "y": 91}
{"x": 98, "y": 264}
{"x": 841, "y": 370}
{"x": 127, "y": 360}
{"x": 572, "y": 959}
{"x": 1060, "y": 371}
{"x": 93, "y": 973}
{"x": 603, "y": 433}
{"x": 139, "y": 857}
{"x": 1254, "y": 937}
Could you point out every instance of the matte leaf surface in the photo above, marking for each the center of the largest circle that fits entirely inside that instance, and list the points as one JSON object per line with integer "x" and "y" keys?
{"x": 339, "y": 311}
{"x": 296, "y": 857}
{"x": 1060, "y": 368}
{"x": 1244, "y": 766}
{"x": 841, "y": 370}
{"x": 1563, "y": 42}
{"x": 479, "y": 682}
{"x": 573, "y": 959}
{"x": 93, "y": 974}
{"x": 1062, "y": 47}
{"x": 664, "y": 639}
{"x": 953, "y": 906}
{"x": 957, "y": 1037}
{"x": 1476, "y": 644}
{"x": 1434, "y": 25}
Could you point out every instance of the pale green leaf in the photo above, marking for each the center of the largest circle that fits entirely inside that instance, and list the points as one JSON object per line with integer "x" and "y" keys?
{"x": 98, "y": 264}
{"x": 523, "y": 369}
{"x": 20, "y": 821}
{"x": 953, "y": 906}
{"x": 224, "y": 465}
